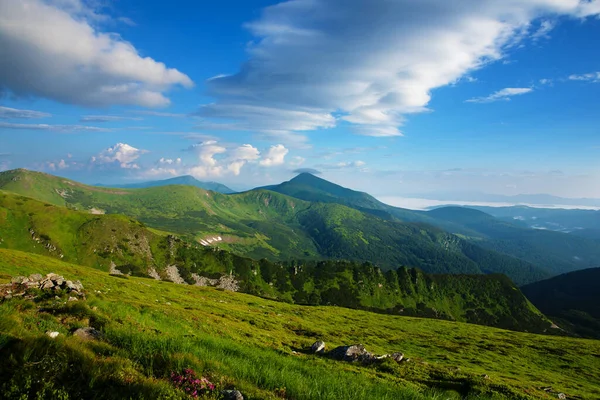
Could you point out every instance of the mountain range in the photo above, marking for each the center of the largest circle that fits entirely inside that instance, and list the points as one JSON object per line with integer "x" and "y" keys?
{"x": 179, "y": 180}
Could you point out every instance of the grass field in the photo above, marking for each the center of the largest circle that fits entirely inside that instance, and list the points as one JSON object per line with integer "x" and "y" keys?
{"x": 152, "y": 328}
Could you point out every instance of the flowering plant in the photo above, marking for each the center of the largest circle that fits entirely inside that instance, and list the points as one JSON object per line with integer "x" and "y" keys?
{"x": 191, "y": 384}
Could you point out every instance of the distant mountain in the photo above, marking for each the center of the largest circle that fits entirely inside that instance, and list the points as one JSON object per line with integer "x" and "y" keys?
{"x": 553, "y": 251}
{"x": 265, "y": 224}
{"x": 537, "y": 199}
{"x": 572, "y": 300}
{"x": 180, "y": 180}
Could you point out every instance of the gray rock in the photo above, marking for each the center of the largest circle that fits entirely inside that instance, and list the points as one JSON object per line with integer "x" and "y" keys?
{"x": 35, "y": 277}
{"x": 397, "y": 357}
{"x": 53, "y": 335}
{"x": 562, "y": 396}
{"x": 232, "y": 395}
{"x": 72, "y": 299}
{"x": 352, "y": 353}
{"x": 318, "y": 347}
{"x": 88, "y": 334}
{"x": 48, "y": 284}
{"x": 59, "y": 281}
{"x": 17, "y": 279}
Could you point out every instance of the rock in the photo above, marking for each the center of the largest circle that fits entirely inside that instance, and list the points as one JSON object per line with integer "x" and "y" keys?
{"x": 47, "y": 285}
{"x": 352, "y": 353}
{"x": 59, "y": 281}
{"x": 562, "y": 396}
{"x": 35, "y": 277}
{"x": 72, "y": 299}
{"x": 397, "y": 357}
{"x": 232, "y": 395}
{"x": 17, "y": 279}
{"x": 53, "y": 335}
{"x": 318, "y": 347}
{"x": 32, "y": 284}
{"x": 88, "y": 333}
{"x": 485, "y": 376}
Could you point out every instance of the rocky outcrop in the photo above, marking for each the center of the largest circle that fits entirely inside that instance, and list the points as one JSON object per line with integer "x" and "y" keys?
{"x": 355, "y": 353}
{"x": 226, "y": 282}
{"x": 88, "y": 334}
{"x": 152, "y": 273}
{"x": 21, "y": 286}
{"x": 232, "y": 395}
{"x": 173, "y": 274}
{"x": 318, "y": 347}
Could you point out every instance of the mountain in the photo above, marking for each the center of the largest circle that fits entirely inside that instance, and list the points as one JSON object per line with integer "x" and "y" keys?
{"x": 521, "y": 199}
{"x": 546, "y": 251}
{"x": 180, "y": 180}
{"x": 265, "y": 224}
{"x": 555, "y": 252}
{"x": 152, "y": 329}
{"x": 572, "y": 300}
{"x": 116, "y": 242}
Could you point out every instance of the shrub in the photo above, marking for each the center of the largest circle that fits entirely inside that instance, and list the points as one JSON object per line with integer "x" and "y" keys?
{"x": 191, "y": 384}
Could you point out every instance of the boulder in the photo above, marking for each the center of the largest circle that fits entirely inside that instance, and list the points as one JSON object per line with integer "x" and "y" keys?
{"x": 35, "y": 277}
{"x": 318, "y": 347}
{"x": 232, "y": 395}
{"x": 352, "y": 353}
{"x": 72, "y": 298}
{"x": 397, "y": 356}
{"x": 17, "y": 279}
{"x": 562, "y": 396}
{"x": 47, "y": 284}
{"x": 88, "y": 334}
{"x": 53, "y": 335}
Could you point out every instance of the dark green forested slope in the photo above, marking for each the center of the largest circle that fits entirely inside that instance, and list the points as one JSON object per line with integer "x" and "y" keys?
{"x": 265, "y": 224}
{"x": 572, "y": 300}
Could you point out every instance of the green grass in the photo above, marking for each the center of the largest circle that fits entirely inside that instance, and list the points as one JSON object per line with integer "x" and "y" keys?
{"x": 246, "y": 342}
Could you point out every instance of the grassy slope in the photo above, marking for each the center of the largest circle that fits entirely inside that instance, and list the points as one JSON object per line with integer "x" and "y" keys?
{"x": 155, "y": 327}
{"x": 264, "y": 224}
{"x": 180, "y": 180}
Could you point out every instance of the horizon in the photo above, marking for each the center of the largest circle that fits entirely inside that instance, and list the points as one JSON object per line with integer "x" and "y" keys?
{"x": 501, "y": 100}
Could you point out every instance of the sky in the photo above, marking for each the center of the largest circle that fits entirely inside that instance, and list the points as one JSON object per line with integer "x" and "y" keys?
{"x": 398, "y": 98}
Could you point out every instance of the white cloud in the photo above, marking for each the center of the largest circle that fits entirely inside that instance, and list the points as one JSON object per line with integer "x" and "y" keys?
{"x": 546, "y": 81}
{"x": 342, "y": 165}
{"x": 275, "y": 156}
{"x": 314, "y": 63}
{"x": 121, "y": 155}
{"x": 54, "y": 49}
{"x": 8, "y": 113}
{"x": 107, "y": 118}
{"x": 591, "y": 77}
{"x": 297, "y": 161}
{"x": 543, "y": 31}
{"x": 504, "y": 94}
{"x": 54, "y": 128}
{"x": 160, "y": 114}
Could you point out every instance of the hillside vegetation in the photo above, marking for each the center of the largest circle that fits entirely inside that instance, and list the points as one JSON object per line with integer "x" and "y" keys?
{"x": 572, "y": 299}
{"x": 264, "y": 224}
{"x": 152, "y": 328}
{"x": 116, "y": 242}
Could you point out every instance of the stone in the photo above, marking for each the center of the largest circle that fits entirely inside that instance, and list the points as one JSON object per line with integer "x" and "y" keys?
{"x": 17, "y": 279}
{"x": 53, "y": 335}
{"x": 59, "y": 281}
{"x": 88, "y": 333}
{"x": 232, "y": 395}
{"x": 72, "y": 299}
{"x": 352, "y": 353}
{"x": 318, "y": 347}
{"x": 397, "y": 356}
{"x": 485, "y": 376}
{"x": 47, "y": 285}
{"x": 32, "y": 284}
{"x": 35, "y": 277}
{"x": 562, "y": 396}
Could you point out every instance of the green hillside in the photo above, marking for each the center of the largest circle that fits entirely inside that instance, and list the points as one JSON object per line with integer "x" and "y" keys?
{"x": 265, "y": 224}
{"x": 153, "y": 328}
{"x": 556, "y": 252}
{"x": 179, "y": 180}
{"x": 117, "y": 242}
{"x": 571, "y": 299}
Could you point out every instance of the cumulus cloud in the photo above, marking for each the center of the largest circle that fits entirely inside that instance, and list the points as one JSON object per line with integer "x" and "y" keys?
{"x": 275, "y": 156}
{"x": 504, "y": 94}
{"x": 55, "y": 49}
{"x": 165, "y": 166}
{"x": 8, "y": 113}
{"x": 315, "y": 63}
{"x": 590, "y": 77}
{"x": 120, "y": 155}
{"x": 343, "y": 165}
{"x": 54, "y": 128}
{"x": 54, "y": 166}
{"x": 107, "y": 118}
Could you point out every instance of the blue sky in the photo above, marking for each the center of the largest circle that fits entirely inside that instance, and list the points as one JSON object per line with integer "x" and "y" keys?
{"x": 395, "y": 98}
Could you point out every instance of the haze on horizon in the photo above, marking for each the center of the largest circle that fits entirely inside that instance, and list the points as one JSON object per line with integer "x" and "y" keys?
{"x": 398, "y": 99}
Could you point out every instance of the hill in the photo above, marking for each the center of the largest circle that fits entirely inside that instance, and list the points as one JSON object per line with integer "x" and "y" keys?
{"x": 546, "y": 251}
{"x": 571, "y": 299}
{"x": 556, "y": 252}
{"x": 180, "y": 180}
{"x": 265, "y": 224}
{"x": 120, "y": 244}
{"x": 153, "y": 328}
